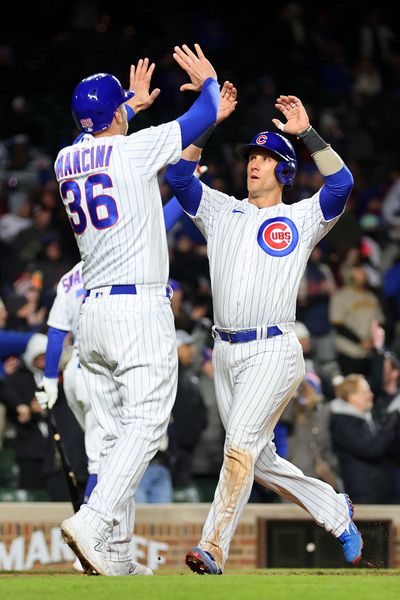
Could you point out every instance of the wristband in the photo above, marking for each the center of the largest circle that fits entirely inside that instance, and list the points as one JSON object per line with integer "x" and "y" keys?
{"x": 202, "y": 139}
{"x": 312, "y": 140}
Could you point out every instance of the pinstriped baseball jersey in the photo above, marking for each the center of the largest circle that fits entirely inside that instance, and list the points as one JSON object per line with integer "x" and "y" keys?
{"x": 110, "y": 190}
{"x": 64, "y": 313}
{"x": 257, "y": 256}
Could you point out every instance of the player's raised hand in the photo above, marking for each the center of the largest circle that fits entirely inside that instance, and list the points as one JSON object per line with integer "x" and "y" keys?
{"x": 139, "y": 82}
{"x": 228, "y": 101}
{"x": 297, "y": 118}
{"x": 197, "y": 66}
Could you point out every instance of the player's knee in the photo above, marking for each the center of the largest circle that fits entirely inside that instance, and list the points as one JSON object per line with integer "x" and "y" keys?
{"x": 239, "y": 463}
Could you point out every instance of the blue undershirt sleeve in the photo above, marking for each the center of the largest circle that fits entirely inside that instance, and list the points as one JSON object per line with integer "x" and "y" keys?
{"x": 202, "y": 114}
{"x": 54, "y": 350}
{"x": 172, "y": 213}
{"x": 185, "y": 184}
{"x": 334, "y": 194}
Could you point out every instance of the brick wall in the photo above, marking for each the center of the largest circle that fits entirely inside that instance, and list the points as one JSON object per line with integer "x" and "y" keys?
{"x": 35, "y": 527}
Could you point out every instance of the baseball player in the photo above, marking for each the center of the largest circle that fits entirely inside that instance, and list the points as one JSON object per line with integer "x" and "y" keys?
{"x": 63, "y": 319}
{"x": 258, "y": 249}
{"x": 126, "y": 337}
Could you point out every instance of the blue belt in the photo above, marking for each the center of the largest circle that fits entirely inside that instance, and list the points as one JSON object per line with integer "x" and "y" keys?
{"x": 247, "y": 335}
{"x": 127, "y": 289}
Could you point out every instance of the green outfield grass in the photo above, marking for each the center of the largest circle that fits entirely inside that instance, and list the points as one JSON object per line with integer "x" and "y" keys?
{"x": 251, "y": 585}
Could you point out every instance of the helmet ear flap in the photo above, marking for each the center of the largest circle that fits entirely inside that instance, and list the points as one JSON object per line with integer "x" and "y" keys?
{"x": 285, "y": 172}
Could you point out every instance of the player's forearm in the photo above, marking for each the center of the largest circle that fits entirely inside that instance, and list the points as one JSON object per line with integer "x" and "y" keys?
{"x": 185, "y": 185}
{"x": 338, "y": 179}
{"x": 54, "y": 350}
{"x": 202, "y": 114}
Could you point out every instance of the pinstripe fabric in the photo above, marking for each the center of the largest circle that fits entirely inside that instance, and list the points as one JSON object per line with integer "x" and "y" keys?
{"x": 134, "y": 249}
{"x": 250, "y": 287}
{"x": 132, "y": 389}
{"x": 257, "y": 258}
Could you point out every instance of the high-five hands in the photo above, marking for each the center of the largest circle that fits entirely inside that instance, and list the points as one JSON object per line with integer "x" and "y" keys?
{"x": 197, "y": 66}
{"x": 139, "y": 82}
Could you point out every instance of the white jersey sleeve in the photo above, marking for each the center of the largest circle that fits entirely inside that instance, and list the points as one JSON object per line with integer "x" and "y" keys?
{"x": 64, "y": 313}
{"x": 154, "y": 147}
{"x": 60, "y": 316}
{"x": 209, "y": 208}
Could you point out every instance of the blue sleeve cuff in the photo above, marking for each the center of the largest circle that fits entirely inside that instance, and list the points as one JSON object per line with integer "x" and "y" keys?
{"x": 55, "y": 343}
{"x": 130, "y": 113}
{"x": 202, "y": 114}
{"x": 186, "y": 186}
{"x": 334, "y": 194}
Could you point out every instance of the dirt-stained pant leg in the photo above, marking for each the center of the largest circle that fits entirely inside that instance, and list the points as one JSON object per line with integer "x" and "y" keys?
{"x": 254, "y": 381}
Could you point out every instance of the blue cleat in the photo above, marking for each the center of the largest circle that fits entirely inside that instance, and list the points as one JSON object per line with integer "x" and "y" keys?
{"x": 202, "y": 562}
{"x": 351, "y": 539}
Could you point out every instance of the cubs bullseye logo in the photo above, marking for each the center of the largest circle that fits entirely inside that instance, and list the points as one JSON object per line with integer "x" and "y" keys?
{"x": 278, "y": 236}
{"x": 261, "y": 139}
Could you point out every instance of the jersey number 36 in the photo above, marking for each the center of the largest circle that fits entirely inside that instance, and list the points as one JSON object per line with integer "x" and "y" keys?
{"x": 102, "y": 208}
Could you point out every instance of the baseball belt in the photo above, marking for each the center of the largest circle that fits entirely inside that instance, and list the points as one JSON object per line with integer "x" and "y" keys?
{"x": 245, "y": 335}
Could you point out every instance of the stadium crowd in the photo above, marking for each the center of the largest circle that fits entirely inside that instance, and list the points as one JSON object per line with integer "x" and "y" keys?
{"x": 343, "y": 425}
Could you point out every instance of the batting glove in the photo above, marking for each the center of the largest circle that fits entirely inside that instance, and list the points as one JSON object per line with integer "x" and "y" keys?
{"x": 47, "y": 392}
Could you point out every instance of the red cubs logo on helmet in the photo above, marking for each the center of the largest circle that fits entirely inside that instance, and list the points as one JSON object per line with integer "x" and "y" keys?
{"x": 278, "y": 236}
{"x": 261, "y": 139}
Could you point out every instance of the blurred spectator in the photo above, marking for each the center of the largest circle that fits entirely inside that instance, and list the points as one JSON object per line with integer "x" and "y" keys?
{"x": 181, "y": 317}
{"x": 34, "y": 447}
{"x": 27, "y": 245}
{"x": 367, "y": 78}
{"x": 353, "y": 309}
{"x": 391, "y": 200}
{"x": 156, "y": 484}
{"x": 190, "y": 418}
{"x": 208, "y": 454}
{"x": 24, "y": 311}
{"x": 309, "y": 438}
{"x": 316, "y": 289}
{"x": 11, "y": 224}
{"x": 376, "y": 37}
{"x": 391, "y": 295}
{"x": 363, "y": 446}
{"x": 304, "y": 338}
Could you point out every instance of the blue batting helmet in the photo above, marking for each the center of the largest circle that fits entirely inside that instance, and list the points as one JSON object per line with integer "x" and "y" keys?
{"x": 280, "y": 148}
{"x": 95, "y": 100}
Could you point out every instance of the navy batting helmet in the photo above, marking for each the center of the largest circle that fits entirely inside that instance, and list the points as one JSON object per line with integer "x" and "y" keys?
{"x": 280, "y": 148}
{"x": 95, "y": 100}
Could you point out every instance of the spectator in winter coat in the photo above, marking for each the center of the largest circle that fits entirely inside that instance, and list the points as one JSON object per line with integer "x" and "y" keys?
{"x": 35, "y": 451}
{"x": 363, "y": 446}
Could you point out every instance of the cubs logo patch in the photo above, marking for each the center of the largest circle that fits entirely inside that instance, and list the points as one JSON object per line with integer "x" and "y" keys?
{"x": 278, "y": 236}
{"x": 261, "y": 139}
